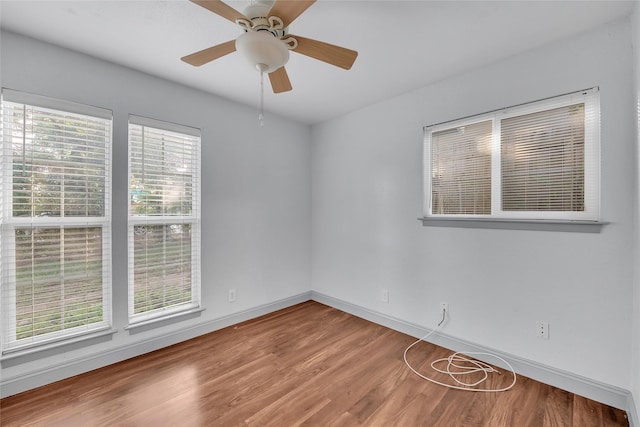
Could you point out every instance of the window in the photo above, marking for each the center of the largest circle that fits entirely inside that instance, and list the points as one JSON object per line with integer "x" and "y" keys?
{"x": 164, "y": 219}
{"x": 538, "y": 161}
{"x": 55, "y": 181}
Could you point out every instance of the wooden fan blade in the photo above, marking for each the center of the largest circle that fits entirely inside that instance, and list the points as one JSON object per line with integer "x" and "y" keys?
{"x": 280, "y": 80}
{"x": 331, "y": 54}
{"x": 209, "y": 54}
{"x": 220, "y": 8}
{"x": 289, "y": 10}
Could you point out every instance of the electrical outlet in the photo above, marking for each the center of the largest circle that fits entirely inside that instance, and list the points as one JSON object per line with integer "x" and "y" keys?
{"x": 444, "y": 306}
{"x": 232, "y": 295}
{"x": 542, "y": 330}
{"x": 384, "y": 296}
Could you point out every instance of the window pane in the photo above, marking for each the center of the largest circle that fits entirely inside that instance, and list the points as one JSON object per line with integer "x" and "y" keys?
{"x": 543, "y": 160}
{"x": 162, "y": 171}
{"x": 461, "y": 170}
{"x": 162, "y": 257}
{"x": 59, "y": 163}
{"x": 58, "y": 279}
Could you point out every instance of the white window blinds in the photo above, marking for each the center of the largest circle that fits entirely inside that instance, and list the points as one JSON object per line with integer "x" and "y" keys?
{"x": 55, "y": 240}
{"x": 461, "y": 169}
{"x": 164, "y": 218}
{"x": 534, "y": 161}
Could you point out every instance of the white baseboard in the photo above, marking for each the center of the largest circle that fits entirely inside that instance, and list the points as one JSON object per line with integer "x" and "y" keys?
{"x": 39, "y": 377}
{"x": 601, "y": 392}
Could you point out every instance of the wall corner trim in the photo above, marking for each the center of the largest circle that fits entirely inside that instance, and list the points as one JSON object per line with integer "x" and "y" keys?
{"x": 633, "y": 416}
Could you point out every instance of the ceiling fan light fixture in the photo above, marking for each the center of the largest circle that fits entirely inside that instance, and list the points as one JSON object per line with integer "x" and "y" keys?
{"x": 265, "y": 42}
{"x": 262, "y": 50}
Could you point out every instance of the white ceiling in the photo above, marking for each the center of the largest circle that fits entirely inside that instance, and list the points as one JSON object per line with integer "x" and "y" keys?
{"x": 402, "y": 45}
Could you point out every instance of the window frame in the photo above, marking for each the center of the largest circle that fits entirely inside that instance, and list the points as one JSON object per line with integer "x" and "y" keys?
{"x": 194, "y": 220}
{"x": 10, "y": 223}
{"x": 591, "y": 162}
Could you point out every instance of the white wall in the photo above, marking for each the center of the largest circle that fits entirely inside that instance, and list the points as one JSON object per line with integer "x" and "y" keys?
{"x": 367, "y": 196}
{"x": 255, "y": 195}
{"x": 635, "y": 370}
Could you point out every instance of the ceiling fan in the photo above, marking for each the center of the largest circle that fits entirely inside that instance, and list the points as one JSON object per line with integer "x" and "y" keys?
{"x": 266, "y": 41}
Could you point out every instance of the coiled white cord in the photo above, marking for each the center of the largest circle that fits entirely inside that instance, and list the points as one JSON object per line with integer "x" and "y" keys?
{"x": 458, "y": 365}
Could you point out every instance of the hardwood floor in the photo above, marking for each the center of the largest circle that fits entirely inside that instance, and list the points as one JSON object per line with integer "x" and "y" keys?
{"x": 307, "y": 365}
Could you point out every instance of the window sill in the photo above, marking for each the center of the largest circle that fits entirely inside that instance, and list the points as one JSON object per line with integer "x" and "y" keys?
{"x": 145, "y": 325}
{"x": 20, "y": 355}
{"x": 516, "y": 224}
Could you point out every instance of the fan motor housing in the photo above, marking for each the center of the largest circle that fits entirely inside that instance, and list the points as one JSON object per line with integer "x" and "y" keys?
{"x": 258, "y": 14}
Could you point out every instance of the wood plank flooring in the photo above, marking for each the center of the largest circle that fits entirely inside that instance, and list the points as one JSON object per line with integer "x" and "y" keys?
{"x": 307, "y": 365}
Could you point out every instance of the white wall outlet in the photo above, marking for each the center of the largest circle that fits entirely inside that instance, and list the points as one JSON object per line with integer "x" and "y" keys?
{"x": 232, "y": 295}
{"x": 384, "y": 295}
{"x": 444, "y": 306}
{"x": 542, "y": 330}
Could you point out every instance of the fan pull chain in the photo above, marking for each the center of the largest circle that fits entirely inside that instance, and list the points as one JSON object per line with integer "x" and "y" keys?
{"x": 261, "y": 67}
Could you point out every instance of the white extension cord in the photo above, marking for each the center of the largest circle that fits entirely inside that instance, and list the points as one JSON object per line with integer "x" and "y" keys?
{"x": 459, "y": 364}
